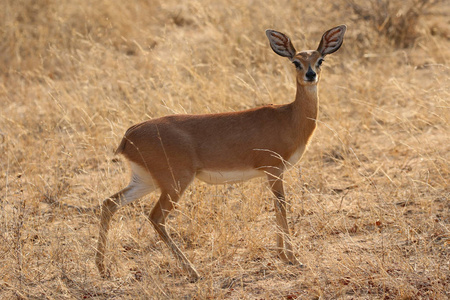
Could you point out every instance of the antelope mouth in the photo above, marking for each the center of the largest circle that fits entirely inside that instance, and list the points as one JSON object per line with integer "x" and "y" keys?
{"x": 308, "y": 81}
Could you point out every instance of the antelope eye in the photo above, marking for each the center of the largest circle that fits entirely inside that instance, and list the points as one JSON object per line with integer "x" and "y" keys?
{"x": 320, "y": 61}
{"x": 297, "y": 65}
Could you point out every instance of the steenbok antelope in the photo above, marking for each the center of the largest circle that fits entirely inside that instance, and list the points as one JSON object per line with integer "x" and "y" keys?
{"x": 169, "y": 152}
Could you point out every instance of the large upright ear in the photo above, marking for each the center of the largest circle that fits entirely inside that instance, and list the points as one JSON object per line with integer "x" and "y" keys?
{"x": 280, "y": 43}
{"x": 332, "y": 40}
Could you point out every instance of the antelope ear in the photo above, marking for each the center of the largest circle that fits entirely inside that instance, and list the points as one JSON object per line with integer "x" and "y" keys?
{"x": 332, "y": 40}
{"x": 280, "y": 43}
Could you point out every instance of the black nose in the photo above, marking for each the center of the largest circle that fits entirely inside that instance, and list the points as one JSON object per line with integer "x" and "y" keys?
{"x": 310, "y": 74}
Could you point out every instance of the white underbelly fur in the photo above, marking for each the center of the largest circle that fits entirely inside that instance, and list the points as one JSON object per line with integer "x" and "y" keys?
{"x": 295, "y": 157}
{"x": 140, "y": 176}
{"x": 221, "y": 177}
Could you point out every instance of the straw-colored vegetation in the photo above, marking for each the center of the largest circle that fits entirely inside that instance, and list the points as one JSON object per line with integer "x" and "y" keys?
{"x": 370, "y": 208}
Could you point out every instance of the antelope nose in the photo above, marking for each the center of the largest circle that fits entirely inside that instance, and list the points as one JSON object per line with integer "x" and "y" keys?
{"x": 310, "y": 74}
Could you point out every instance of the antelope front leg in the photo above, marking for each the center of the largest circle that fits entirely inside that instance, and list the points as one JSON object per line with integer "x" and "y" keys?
{"x": 284, "y": 245}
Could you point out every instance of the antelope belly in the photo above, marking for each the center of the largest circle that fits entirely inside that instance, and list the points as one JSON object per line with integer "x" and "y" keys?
{"x": 221, "y": 177}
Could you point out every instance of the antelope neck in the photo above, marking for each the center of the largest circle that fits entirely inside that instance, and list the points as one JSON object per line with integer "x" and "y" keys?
{"x": 306, "y": 105}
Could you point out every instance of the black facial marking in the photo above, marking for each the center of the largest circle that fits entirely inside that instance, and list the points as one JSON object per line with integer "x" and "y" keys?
{"x": 297, "y": 65}
{"x": 310, "y": 75}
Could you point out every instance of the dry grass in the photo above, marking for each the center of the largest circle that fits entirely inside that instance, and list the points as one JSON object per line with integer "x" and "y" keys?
{"x": 370, "y": 211}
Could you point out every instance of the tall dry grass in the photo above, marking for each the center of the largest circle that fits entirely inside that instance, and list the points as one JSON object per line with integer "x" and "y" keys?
{"x": 369, "y": 209}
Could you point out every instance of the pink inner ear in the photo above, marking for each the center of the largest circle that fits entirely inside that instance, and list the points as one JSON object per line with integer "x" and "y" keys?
{"x": 281, "y": 44}
{"x": 280, "y": 40}
{"x": 278, "y": 36}
{"x": 332, "y": 40}
{"x": 331, "y": 36}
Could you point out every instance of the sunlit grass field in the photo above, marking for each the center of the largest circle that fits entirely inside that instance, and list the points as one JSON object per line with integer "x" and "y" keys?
{"x": 369, "y": 205}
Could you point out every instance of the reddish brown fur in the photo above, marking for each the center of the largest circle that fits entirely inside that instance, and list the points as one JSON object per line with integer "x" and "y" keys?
{"x": 224, "y": 141}
{"x": 170, "y": 151}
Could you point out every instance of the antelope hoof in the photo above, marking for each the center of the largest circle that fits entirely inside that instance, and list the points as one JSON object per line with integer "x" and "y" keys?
{"x": 295, "y": 262}
{"x": 193, "y": 276}
{"x": 104, "y": 273}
